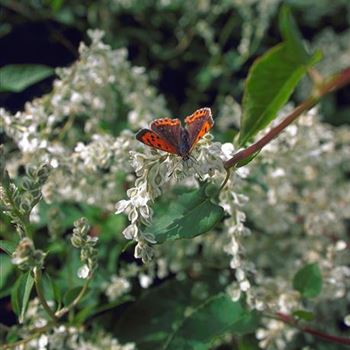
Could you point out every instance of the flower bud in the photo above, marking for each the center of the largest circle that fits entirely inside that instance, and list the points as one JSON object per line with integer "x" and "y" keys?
{"x": 26, "y": 204}
{"x": 26, "y": 257}
{"x": 76, "y": 241}
{"x": 43, "y": 173}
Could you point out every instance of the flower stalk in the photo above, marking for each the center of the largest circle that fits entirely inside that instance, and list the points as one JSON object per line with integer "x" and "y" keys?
{"x": 40, "y": 293}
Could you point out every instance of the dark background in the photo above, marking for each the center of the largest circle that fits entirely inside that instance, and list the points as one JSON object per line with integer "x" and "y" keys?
{"x": 49, "y": 32}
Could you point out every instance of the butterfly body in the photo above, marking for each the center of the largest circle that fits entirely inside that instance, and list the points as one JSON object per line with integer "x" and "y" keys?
{"x": 184, "y": 145}
{"x": 170, "y": 136}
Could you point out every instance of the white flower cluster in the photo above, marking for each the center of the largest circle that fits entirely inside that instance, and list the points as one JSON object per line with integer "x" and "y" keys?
{"x": 295, "y": 199}
{"x": 154, "y": 171}
{"x": 48, "y": 130}
{"x": 275, "y": 335}
{"x": 116, "y": 287}
{"x": 64, "y": 337}
{"x": 235, "y": 230}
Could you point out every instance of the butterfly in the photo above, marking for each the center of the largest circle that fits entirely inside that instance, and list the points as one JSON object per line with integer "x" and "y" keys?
{"x": 170, "y": 136}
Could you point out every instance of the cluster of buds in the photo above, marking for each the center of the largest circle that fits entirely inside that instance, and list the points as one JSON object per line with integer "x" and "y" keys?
{"x": 26, "y": 257}
{"x": 31, "y": 185}
{"x": 88, "y": 253}
{"x": 17, "y": 202}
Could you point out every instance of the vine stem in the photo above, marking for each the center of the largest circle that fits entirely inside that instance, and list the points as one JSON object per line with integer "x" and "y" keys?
{"x": 40, "y": 293}
{"x": 66, "y": 309}
{"x": 225, "y": 180}
{"x": 339, "y": 80}
{"x": 306, "y": 329}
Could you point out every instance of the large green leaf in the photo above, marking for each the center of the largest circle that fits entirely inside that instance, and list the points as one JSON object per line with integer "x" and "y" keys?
{"x": 160, "y": 310}
{"x": 52, "y": 290}
{"x": 308, "y": 280}
{"x": 21, "y": 293}
{"x": 17, "y": 77}
{"x": 273, "y": 78}
{"x": 214, "y": 318}
{"x": 71, "y": 295}
{"x": 292, "y": 36}
{"x": 6, "y": 268}
{"x": 189, "y": 215}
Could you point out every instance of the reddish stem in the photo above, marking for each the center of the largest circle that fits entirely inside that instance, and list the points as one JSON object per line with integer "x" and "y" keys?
{"x": 324, "y": 336}
{"x": 340, "y": 80}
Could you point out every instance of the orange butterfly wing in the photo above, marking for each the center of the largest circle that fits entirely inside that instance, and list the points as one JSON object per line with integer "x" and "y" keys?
{"x": 151, "y": 138}
{"x": 198, "y": 124}
{"x": 168, "y": 129}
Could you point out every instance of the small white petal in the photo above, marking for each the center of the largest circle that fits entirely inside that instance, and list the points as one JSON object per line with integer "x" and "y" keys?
{"x": 43, "y": 341}
{"x": 240, "y": 275}
{"x": 130, "y": 232}
{"x": 347, "y": 320}
{"x": 121, "y": 206}
{"x": 245, "y": 285}
{"x": 340, "y": 245}
{"x": 145, "y": 280}
{"x": 83, "y": 272}
{"x": 235, "y": 294}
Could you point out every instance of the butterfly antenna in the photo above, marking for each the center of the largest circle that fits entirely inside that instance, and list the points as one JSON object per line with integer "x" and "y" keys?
{"x": 195, "y": 161}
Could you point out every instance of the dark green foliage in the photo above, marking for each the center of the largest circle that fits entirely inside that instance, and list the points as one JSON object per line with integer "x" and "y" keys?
{"x": 16, "y": 78}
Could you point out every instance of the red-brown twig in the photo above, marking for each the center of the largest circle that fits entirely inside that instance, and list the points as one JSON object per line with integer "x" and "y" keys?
{"x": 338, "y": 81}
{"x": 306, "y": 329}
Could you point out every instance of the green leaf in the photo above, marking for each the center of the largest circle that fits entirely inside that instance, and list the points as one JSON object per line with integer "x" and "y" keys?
{"x": 6, "y": 268}
{"x": 17, "y": 77}
{"x": 181, "y": 214}
{"x": 273, "y": 78}
{"x": 52, "y": 290}
{"x": 308, "y": 281}
{"x": 12, "y": 335}
{"x": 292, "y": 36}
{"x": 70, "y": 295}
{"x": 304, "y": 315}
{"x": 21, "y": 293}
{"x": 246, "y": 161}
{"x": 7, "y": 246}
{"x": 68, "y": 277}
{"x": 95, "y": 309}
{"x": 161, "y": 309}
{"x": 213, "y": 319}
{"x": 56, "y": 5}
{"x": 270, "y": 83}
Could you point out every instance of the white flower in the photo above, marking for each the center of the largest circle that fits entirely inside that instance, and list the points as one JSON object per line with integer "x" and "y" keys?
{"x": 83, "y": 272}
{"x": 131, "y": 232}
{"x": 117, "y": 287}
{"x": 145, "y": 280}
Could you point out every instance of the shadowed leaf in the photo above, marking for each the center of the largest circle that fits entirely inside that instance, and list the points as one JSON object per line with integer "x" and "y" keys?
{"x": 17, "y": 77}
